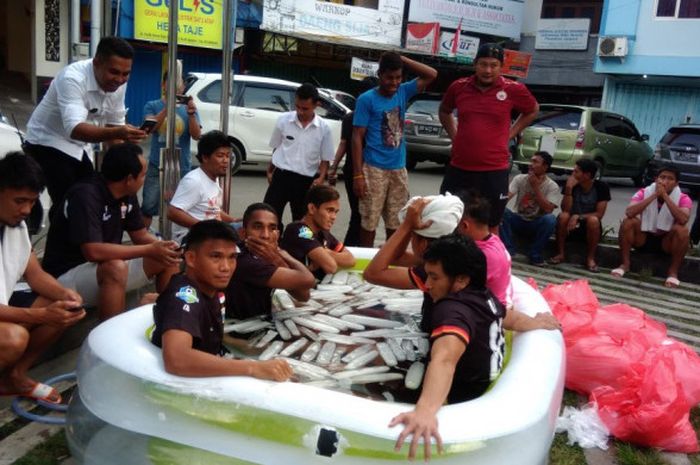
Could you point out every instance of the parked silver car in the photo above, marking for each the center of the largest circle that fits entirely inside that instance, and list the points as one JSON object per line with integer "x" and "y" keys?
{"x": 679, "y": 147}
{"x": 426, "y": 139}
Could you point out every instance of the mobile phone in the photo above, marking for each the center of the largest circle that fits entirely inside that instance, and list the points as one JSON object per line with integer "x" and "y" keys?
{"x": 183, "y": 99}
{"x": 148, "y": 125}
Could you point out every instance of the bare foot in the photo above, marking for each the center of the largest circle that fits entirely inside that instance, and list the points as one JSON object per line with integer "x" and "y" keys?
{"x": 557, "y": 259}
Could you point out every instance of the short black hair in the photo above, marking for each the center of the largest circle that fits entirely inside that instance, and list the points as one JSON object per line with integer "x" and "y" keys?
{"x": 458, "y": 255}
{"x": 210, "y": 142}
{"x": 390, "y": 61}
{"x": 321, "y": 194}
{"x": 307, "y": 91}
{"x": 252, "y": 208}
{"x": 489, "y": 50}
{"x": 545, "y": 156}
{"x": 120, "y": 161}
{"x": 671, "y": 169}
{"x": 20, "y": 171}
{"x": 476, "y": 207}
{"x": 586, "y": 165}
{"x": 209, "y": 230}
{"x": 111, "y": 46}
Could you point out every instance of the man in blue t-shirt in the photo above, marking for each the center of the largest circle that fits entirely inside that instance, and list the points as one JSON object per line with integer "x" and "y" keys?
{"x": 187, "y": 125}
{"x": 378, "y": 149}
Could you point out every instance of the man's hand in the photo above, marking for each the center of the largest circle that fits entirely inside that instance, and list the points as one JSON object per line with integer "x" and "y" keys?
{"x": 571, "y": 182}
{"x": 269, "y": 172}
{"x": 57, "y": 314}
{"x": 268, "y": 250}
{"x": 72, "y": 296}
{"x": 359, "y": 186}
{"x": 534, "y": 180}
{"x": 414, "y": 212}
{"x": 661, "y": 191}
{"x": 274, "y": 370}
{"x": 166, "y": 252}
{"x": 418, "y": 425}
{"x": 317, "y": 181}
{"x": 191, "y": 107}
{"x": 332, "y": 175}
{"x": 547, "y": 321}
{"x": 573, "y": 223}
{"x": 129, "y": 133}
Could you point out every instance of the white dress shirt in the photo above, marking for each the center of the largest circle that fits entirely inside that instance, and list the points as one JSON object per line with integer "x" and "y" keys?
{"x": 301, "y": 149}
{"x": 74, "y": 97}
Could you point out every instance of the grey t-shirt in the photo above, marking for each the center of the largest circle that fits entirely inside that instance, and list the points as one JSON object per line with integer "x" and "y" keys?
{"x": 524, "y": 203}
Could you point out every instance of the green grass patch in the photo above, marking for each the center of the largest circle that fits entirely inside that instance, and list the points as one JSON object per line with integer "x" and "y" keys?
{"x": 53, "y": 451}
{"x": 562, "y": 453}
{"x": 627, "y": 454}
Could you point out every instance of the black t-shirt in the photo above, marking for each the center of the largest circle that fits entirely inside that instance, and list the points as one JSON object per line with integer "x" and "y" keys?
{"x": 299, "y": 239}
{"x": 247, "y": 294}
{"x": 476, "y": 317}
{"x": 346, "y": 134}
{"x": 585, "y": 202}
{"x": 88, "y": 214}
{"x": 182, "y": 306}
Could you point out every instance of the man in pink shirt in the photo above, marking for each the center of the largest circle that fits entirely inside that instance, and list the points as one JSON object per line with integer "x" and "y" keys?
{"x": 484, "y": 104}
{"x": 657, "y": 220}
{"x": 475, "y": 224}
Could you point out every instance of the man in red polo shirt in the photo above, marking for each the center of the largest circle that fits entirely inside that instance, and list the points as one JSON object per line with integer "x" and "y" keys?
{"x": 484, "y": 104}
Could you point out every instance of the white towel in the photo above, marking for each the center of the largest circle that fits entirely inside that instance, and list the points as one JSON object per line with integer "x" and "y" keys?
{"x": 14, "y": 256}
{"x": 445, "y": 211}
{"x": 655, "y": 219}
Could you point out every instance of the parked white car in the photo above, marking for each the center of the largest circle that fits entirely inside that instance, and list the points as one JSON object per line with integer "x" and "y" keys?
{"x": 256, "y": 104}
{"x": 11, "y": 141}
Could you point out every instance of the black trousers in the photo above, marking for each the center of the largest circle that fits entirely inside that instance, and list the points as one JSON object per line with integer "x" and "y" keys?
{"x": 288, "y": 187}
{"x": 60, "y": 170}
{"x": 493, "y": 185}
{"x": 352, "y": 237}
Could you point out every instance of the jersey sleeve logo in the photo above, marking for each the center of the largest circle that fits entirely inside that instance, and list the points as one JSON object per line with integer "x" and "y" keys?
{"x": 306, "y": 233}
{"x": 188, "y": 294}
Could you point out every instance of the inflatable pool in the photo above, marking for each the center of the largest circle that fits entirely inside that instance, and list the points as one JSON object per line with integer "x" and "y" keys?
{"x": 243, "y": 420}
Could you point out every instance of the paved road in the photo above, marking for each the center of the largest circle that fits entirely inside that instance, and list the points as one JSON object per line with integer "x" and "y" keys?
{"x": 249, "y": 186}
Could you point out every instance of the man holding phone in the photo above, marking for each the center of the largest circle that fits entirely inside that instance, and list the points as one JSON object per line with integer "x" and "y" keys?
{"x": 84, "y": 105}
{"x": 187, "y": 125}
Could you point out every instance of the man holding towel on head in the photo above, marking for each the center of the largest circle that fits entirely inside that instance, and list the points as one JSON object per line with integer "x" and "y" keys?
{"x": 657, "y": 220}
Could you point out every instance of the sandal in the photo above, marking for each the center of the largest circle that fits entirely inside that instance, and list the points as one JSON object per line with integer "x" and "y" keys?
{"x": 556, "y": 260}
{"x": 672, "y": 282}
{"x": 618, "y": 272}
{"x": 592, "y": 268}
{"x": 39, "y": 391}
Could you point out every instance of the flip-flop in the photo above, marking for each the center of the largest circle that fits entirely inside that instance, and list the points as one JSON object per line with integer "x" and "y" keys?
{"x": 39, "y": 391}
{"x": 618, "y": 272}
{"x": 672, "y": 282}
{"x": 555, "y": 261}
{"x": 592, "y": 268}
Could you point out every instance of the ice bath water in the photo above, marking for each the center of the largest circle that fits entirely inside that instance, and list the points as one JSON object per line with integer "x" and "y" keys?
{"x": 350, "y": 336}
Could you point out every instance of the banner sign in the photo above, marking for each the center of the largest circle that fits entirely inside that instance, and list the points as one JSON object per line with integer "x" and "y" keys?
{"x": 360, "y": 69}
{"x": 516, "y": 64}
{"x": 466, "y": 49}
{"x": 423, "y": 37}
{"x": 199, "y": 22}
{"x": 502, "y": 18}
{"x": 336, "y": 22}
{"x": 562, "y": 34}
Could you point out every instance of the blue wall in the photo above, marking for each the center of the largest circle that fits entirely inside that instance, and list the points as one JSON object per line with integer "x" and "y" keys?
{"x": 653, "y": 107}
{"x": 663, "y": 47}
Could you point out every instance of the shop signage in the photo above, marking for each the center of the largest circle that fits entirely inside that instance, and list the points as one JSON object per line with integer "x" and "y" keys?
{"x": 466, "y": 49}
{"x": 516, "y": 64}
{"x": 360, "y": 69}
{"x": 423, "y": 37}
{"x": 199, "y": 22}
{"x": 562, "y": 34}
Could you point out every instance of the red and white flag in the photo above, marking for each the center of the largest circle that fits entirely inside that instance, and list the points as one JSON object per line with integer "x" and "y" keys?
{"x": 455, "y": 42}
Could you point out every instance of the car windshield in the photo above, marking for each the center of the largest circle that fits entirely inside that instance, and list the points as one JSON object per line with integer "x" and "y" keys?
{"x": 559, "y": 118}
{"x": 683, "y": 136}
{"x": 424, "y": 107}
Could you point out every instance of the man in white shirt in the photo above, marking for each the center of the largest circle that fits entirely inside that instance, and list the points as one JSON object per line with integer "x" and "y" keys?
{"x": 31, "y": 320}
{"x": 84, "y": 105}
{"x": 303, "y": 146}
{"x": 198, "y": 196}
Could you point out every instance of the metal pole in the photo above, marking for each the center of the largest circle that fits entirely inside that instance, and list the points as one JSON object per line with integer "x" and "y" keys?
{"x": 228, "y": 30}
{"x": 169, "y": 157}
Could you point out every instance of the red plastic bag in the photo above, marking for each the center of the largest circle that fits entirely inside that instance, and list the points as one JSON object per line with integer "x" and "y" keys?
{"x": 648, "y": 408}
{"x": 595, "y": 360}
{"x": 574, "y": 304}
{"x": 621, "y": 320}
{"x": 685, "y": 364}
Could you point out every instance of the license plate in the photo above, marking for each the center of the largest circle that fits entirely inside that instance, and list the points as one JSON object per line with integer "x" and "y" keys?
{"x": 685, "y": 157}
{"x": 426, "y": 130}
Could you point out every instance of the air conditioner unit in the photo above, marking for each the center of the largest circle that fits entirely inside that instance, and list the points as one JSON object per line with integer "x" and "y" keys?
{"x": 612, "y": 46}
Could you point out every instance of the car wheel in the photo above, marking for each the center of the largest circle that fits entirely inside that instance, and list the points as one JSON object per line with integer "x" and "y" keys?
{"x": 638, "y": 181}
{"x": 601, "y": 168}
{"x": 411, "y": 162}
{"x": 236, "y": 158}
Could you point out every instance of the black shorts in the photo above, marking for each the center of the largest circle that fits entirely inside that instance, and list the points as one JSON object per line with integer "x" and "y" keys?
{"x": 652, "y": 244}
{"x": 22, "y": 299}
{"x": 580, "y": 234}
{"x": 493, "y": 185}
